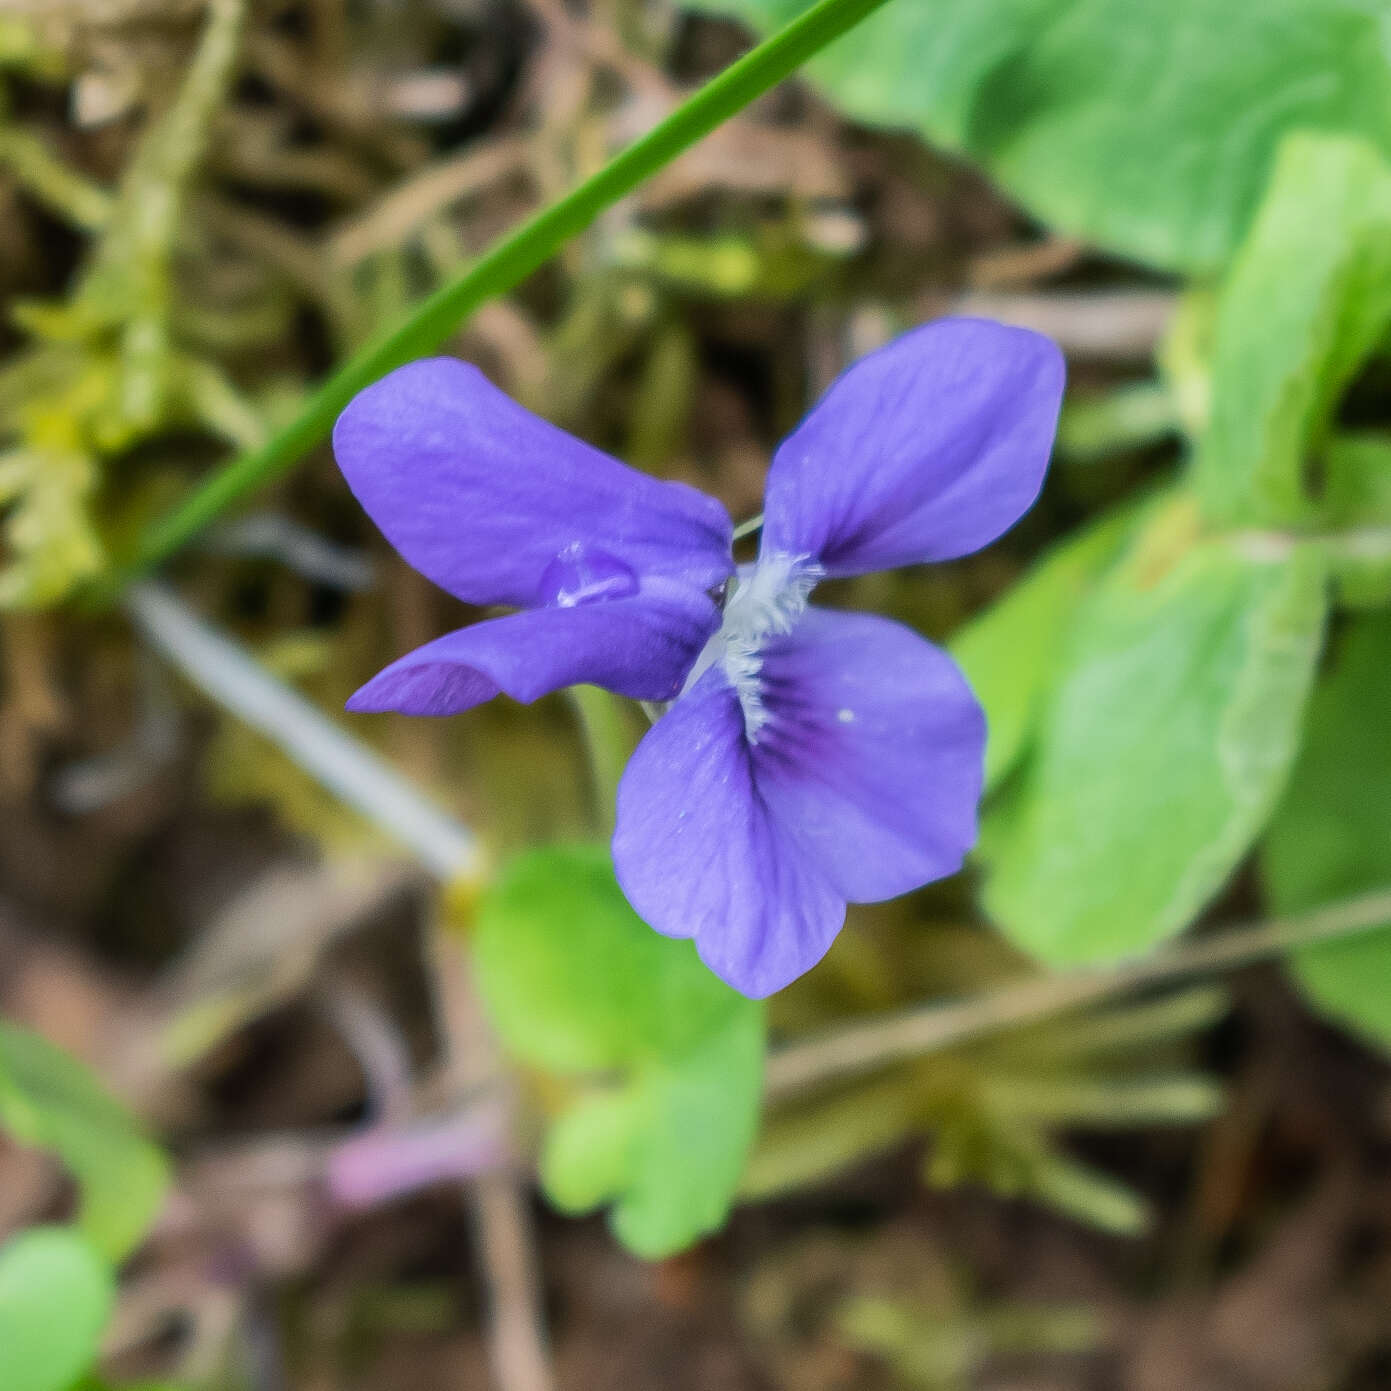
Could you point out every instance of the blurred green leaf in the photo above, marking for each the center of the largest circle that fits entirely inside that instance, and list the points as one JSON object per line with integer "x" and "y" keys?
{"x": 96, "y": 1383}
{"x": 1307, "y": 299}
{"x": 55, "y": 184}
{"x": 1136, "y": 415}
{"x": 1356, "y": 489}
{"x": 55, "y": 1296}
{"x": 1355, "y": 509}
{"x": 942, "y": 1347}
{"x": 1163, "y": 749}
{"x": 670, "y": 1147}
{"x": 1010, "y": 652}
{"x": 51, "y": 1101}
{"x": 575, "y": 982}
{"x": 767, "y": 264}
{"x": 1184, "y": 357}
{"x": 991, "y": 1108}
{"x": 99, "y": 1384}
{"x": 588, "y": 1155}
{"x": 45, "y": 490}
{"x": 1020, "y": 1161}
{"x": 1100, "y": 117}
{"x": 808, "y": 1143}
{"x": 1332, "y": 833}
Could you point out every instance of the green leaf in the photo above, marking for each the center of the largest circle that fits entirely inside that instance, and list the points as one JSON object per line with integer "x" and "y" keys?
{"x": 573, "y": 978}
{"x": 670, "y": 1147}
{"x": 813, "y": 1141}
{"x": 51, "y": 1101}
{"x": 1308, "y": 298}
{"x": 55, "y": 1296}
{"x": 576, "y": 983}
{"x": 1356, "y": 492}
{"x": 1331, "y": 836}
{"x": 1010, "y": 652}
{"x": 98, "y": 1384}
{"x": 993, "y": 1107}
{"x": 588, "y": 1157}
{"x": 1135, "y": 415}
{"x": 1355, "y": 510}
{"x": 1163, "y": 749}
{"x": 1071, "y": 1187}
{"x": 1148, "y": 127}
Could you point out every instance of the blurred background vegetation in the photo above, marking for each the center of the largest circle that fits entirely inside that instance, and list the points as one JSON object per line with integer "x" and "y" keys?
{"x": 324, "y": 1042}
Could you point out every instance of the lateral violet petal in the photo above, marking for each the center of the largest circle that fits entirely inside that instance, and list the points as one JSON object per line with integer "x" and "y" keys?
{"x": 481, "y": 496}
{"x": 925, "y": 450}
{"x": 699, "y": 855}
{"x": 641, "y": 647}
{"x": 871, "y": 752}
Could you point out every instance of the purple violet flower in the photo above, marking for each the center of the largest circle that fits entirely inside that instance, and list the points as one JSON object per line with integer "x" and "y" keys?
{"x": 810, "y": 758}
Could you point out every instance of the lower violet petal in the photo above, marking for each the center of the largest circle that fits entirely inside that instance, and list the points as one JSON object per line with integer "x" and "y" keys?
{"x": 870, "y": 753}
{"x": 640, "y": 647}
{"x": 699, "y": 854}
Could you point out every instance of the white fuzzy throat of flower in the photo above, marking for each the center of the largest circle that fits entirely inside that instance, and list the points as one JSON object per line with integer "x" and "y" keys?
{"x": 766, "y": 602}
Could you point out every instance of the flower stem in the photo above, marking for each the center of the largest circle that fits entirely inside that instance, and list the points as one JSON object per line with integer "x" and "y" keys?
{"x": 866, "y": 1047}
{"x": 749, "y": 527}
{"x": 609, "y": 743}
{"x": 499, "y": 269}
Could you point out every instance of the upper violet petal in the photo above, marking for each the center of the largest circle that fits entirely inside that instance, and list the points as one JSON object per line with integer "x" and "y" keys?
{"x": 925, "y": 450}
{"x": 482, "y": 496}
{"x": 699, "y": 854}
{"x": 641, "y": 646}
{"x": 870, "y": 754}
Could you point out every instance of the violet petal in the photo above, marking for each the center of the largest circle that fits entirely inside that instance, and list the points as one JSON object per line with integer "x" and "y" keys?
{"x": 871, "y": 754}
{"x": 641, "y": 646}
{"x": 927, "y": 449}
{"x": 482, "y": 496}
{"x": 699, "y": 854}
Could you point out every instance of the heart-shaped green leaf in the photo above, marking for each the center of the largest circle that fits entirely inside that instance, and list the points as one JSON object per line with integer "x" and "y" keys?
{"x": 1163, "y": 749}
{"x": 576, "y": 983}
